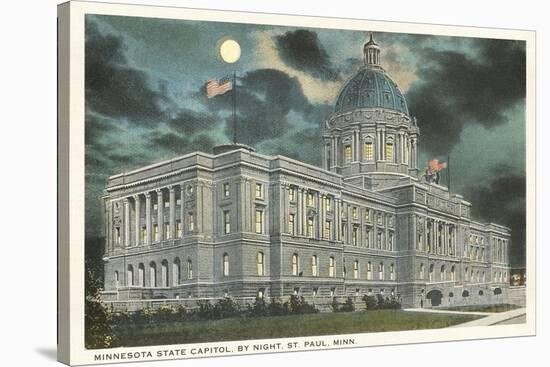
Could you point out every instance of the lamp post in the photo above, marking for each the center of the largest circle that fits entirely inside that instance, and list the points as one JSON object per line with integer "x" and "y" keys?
{"x": 230, "y": 52}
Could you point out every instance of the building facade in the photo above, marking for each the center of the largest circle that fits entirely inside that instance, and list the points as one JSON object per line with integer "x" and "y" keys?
{"x": 241, "y": 224}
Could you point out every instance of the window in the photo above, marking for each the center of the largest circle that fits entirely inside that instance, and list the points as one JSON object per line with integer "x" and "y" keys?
{"x": 259, "y": 220}
{"x": 355, "y": 269}
{"x": 164, "y": 274}
{"x": 367, "y": 215}
{"x": 347, "y": 153}
{"x": 117, "y": 235}
{"x": 327, "y": 229}
{"x": 331, "y": 267}
{"x": 260, "y": 263}
{"x": 431, "y": 273}
{"x": 190, "y": 222}
{"x": 259, "y": 191}
{"x": 381, "y": 271}
{"x": 142, "y": 234}
{"x": 178, "y": 201}
{"x": 226, "y": 222}
{"x": 116, "y": 279}
{"x": 226, "y": 190}
{"x": 466, "y": 275}
{"x": 260, "y": 293}
{"x": 166, "y": 204}
{"x": 315, "y": 291}
{"x": 453, "y": 273}
{"x": 189, "y": 269}
{"x": 291, "y": 219}
{"x": 179, "y": 232}
{"x": 390, "y": 241}
{"x": 392, "y": 272}
{"x": 176, "y": 267}
{"x": 314, "y": 271}
{"x": 156, "y": 232}
{"x": 354, "y": 212}
{"x": 367, "y": 238}
{"x": 368, "y": 151}
{"x": 130, "y": 276}
{"x": 291, "y": 194}
{"x": 354, "y": 236}
{"x": 166, "y": 232}
{"x": 141, "y": 275}
{"x": 309, "y": 227}
{"x": 369, "y": 271}
{"x": 332, "y": 291}
{"x": 421, "y": 271}
{"x": 309, "y": 199}
{"x": 379, "y": 240}
{"x": 152, "y": 274}
{"x": 327, "y": 204}
{"x": 225, "y": 265}
{"x": 443, "y": 273}
{"x": 295, "y": 264}
{"x": 389, "y": 150}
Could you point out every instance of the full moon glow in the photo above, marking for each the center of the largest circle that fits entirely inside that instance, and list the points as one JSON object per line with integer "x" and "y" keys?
{"x": 230, "y": 51}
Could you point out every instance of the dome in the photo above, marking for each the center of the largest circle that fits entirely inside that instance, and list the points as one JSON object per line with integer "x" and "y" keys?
{"x": 370, "y": 88}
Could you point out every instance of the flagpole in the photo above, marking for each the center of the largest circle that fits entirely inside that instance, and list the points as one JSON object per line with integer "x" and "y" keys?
{"x": 234, "y": 95}
{"x": 449, "y": 172}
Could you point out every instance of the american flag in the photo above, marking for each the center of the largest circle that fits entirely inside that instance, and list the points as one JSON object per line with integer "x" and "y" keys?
{"x": 213, "y": 87}
{"x": 434, "y": 165}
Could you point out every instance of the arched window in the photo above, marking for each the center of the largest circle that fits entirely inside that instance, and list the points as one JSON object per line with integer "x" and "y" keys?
{"x": 314, "y": 266}
{"x": 141, "y": 275}
{"x": 331, "y": 267}
{"x": 389, "y": 149}
{"x": 381, "y": 271}
{"x": 295, "y": 264}
{"x": 164, "y": 273}
{"x": 356, "y": 269}
{"x": 176, "y": 269}
{"x": 466, "y": 274}
{"x": 392, "y": 272}
{"x": 116, "y": 279}
{"x": 368, "y": 150}
{"x": 130, "y": 276}
{"x": 347, "y": 152}
{"x": 478, "y": 277}
{"x": 453, "y": 273}
{"x": 431, "y": 273}
{"x": 443, "y": 273}
{"x": 483, "y": 277}
{"x": 260, "y": 263}
{"x": 369, "y": 270}
{"x": 421, "y": 271}
{"x": 152, "y": 274}
{"x": 225, "y": 265}
{"x": 189, "y": 269}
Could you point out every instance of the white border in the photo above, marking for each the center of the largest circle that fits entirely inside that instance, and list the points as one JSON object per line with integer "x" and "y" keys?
{"x": 79, "y": 355}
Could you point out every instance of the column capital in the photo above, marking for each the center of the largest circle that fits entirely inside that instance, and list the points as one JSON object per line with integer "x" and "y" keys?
{"x": 159, "y": 191}
{"x": 125, "y": 200}
{"x": 147, "y": 194}
{"x": 136, "y": 196}
{"x": 172, "y": 188}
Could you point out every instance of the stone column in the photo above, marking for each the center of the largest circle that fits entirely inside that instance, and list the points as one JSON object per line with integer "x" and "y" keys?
{"x": 199, "y": 213}
{"x": 384, "y": 144}
{"x": 414, "y": 242}
{"x": 109, "y": 227}
{"x": 126, "y": 222}
{"x": 182, "y": 211}
{"x": 148, "y": 222}
{"x": 321, "y": 216}
{"x": 137, "y": 226}
{"x": 160, "y": 215}
{"x": 337, "y": 219}
{"x": 172, "y": 229}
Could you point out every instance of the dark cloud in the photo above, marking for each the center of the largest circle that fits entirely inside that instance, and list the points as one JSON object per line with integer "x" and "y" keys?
{"x": 302, "y": 50}
{"x": 455, "y": 89}
{"x": 503, "y": 202}
{"x": 113, "y": 87}
{"x": 189, "y": 121}
{"x": 265, "y": 97}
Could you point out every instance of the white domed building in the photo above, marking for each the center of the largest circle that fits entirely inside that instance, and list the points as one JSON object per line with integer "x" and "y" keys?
{"x": 241, "y": 224}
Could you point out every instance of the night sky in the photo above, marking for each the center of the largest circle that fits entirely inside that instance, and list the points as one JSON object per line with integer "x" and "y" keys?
{"x": 144, "y": 101}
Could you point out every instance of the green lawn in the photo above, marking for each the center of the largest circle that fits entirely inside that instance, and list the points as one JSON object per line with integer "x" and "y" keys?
{"x": 486, "y": 308}
{"x": 284, "y": 326}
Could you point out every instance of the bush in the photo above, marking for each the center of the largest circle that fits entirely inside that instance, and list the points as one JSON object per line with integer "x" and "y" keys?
{"x": 348, "y": 306}
{"x": 298, "y": 305}
{"x": 277, "y": 308}
{"x": 98, "y": 323}
{"x": 370, "y": 302}
{"x": 258, "y": 308}
{"x": 335, "y": 306}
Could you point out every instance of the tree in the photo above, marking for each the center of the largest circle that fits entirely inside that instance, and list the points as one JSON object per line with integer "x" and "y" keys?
{"x": 97, "y": 319}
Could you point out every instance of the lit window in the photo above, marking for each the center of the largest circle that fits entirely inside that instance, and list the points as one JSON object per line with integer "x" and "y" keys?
{"x": 443, "y": 273}
{"x": 178, "y": 228}
{"x": 291, "y": 192}
{"x": 369, "y": 270}
{"x": 309, "y": 227}
{"x": 178, "y": 202}
{"x": 166, "y": 204}
{"x": 225, "y": 265}
{"x": 421, "y": 271}
{"x": 356, "y": 269}
{"x": 327, "y": 203}
{"x": 291, "y": 219}
{"x": 260, "y": 263}
{"x": 166, "y": 231}
{"x": 389, "y": 150}
{"x": 309, "y": 199}
{"x": 259, "y": 191}
{"x": 381, "y": 271}
{"x": 354, "y": 236}
{"x": 156, "y": 232}
{"x": 347, "y": 153}
{"x": 354, "y": 212}
{"x": 259, "y": 220}
{"x": 314, "y": 266}
{"x": 191, "y": 222}
{"x": 226, "y": 189}
{"x": 176, "y": 272}
{"x": 226, "y": 222}
{"x": 367, "y": 215}
{"x": 152, "y": 274}
{"x": 130, "y": 276}
{"x": 327, "y": 229}
{"x": 142, "y": 234}
{"x": 368, "y": 151}
{"x": 331, "y": 267}
{"x": 392, "y": 272}
{"x": 117, "y": 235}
{"x": 295, "y": 264}
{"x": 155, "y": 207}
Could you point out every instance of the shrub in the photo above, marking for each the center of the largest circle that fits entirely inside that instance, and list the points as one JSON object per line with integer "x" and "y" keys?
{"x": 370, "y": 302}
{"x": 380, "y": 301}
{"x": 335, "y": 306}
{"x": 298, "y": 305}
{"x": 277, "y": 308}
{"x": 258, "y": 308}
{"x": 97, "y": 318}
{"x": 227, "y": 307}
{"x": 348, "y": 306}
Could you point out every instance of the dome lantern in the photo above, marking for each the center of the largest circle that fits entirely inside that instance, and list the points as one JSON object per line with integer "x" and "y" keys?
{"x": 371, "y": 53}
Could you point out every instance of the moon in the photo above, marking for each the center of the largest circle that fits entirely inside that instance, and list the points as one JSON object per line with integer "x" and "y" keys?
{"x": 230, "y": 51}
